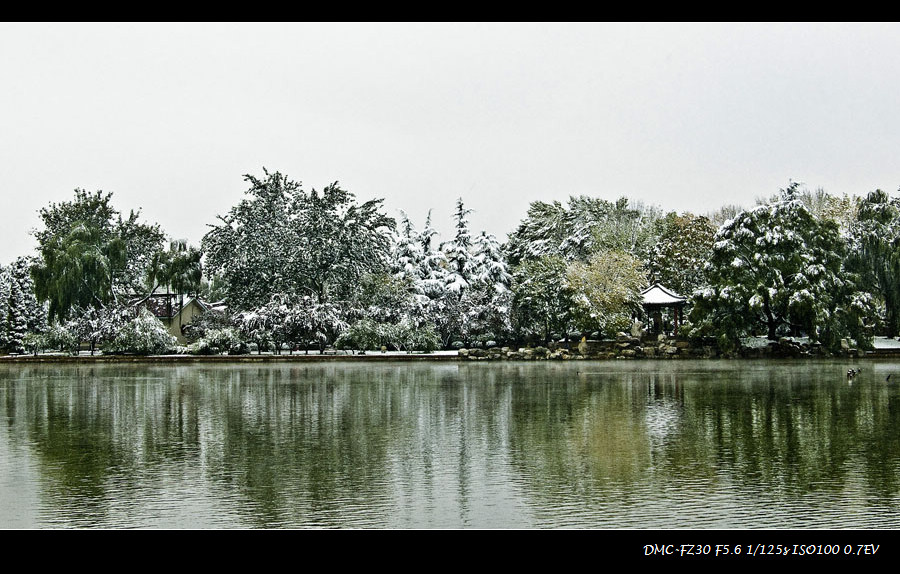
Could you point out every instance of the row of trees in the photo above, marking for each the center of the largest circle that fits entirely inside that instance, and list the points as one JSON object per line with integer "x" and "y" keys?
{"x": 301, "y": 269}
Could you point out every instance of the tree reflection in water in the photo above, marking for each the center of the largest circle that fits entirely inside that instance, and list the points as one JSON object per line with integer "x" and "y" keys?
{"x": 633, "y": 444}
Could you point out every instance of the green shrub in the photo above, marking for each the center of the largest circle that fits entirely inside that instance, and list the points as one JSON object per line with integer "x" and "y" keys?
{"x": 59, "y": 338}
{"x": 143, "y": 335}
{"x": 364, "y": 335}
{"x": 217, "y": 341}
{"x": 424, "y": 339}
{"x": 33, "y": 342}
{"x": 369, "y": 335}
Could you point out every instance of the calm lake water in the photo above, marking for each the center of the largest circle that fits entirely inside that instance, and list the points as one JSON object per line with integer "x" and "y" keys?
{"x": 612, "y": 445}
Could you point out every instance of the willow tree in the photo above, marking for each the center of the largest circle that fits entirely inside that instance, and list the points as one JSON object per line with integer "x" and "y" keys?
{"x": 91, "y": 256}
{"x": 875, "y": 253}
{"x": 79, "y": 269}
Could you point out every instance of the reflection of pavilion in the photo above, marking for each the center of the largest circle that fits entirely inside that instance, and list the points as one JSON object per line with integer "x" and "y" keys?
{"x": 657, "y": 299}
{"x": 664, "y": 408}
{"x": 662, "y": 418}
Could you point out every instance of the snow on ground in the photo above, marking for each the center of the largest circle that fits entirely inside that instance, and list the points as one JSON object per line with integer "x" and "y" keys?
{"x": 886, "y": 343}
{"x": 758, "y": 342}
{"x": 762, "y": 342}
{"x": 755, "y": 342}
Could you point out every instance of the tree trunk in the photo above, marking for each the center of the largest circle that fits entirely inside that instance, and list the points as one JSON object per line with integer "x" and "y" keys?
{"x": 770, "y": 319}
{"x": 772, "y": 329}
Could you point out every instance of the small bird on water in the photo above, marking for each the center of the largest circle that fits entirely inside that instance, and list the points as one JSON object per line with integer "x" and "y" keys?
{"x": 852, "y": 373}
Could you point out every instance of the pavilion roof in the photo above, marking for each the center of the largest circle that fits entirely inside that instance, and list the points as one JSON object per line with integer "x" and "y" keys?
{"x": 659, "y": 295}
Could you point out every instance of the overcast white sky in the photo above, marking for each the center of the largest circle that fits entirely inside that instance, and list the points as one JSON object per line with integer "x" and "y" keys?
{"x": 169, "y": 117}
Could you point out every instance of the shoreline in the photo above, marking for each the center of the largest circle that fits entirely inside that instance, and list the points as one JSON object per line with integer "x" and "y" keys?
{"x": 597, "y": 351}
{"x": 244, "y": 359}
{"x": 220, "y": 358}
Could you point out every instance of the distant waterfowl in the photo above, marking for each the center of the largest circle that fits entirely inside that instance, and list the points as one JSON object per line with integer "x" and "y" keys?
{"x": 888, "y": 379}
{"x": 852, "y": 373}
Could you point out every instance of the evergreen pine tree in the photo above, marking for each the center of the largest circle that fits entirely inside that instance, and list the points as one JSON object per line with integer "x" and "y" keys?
{"x": 457, "y": 251}
{"x": 17, "y": 319}
{"x": 36, "y": 314}
{"x": 5, "y": 286}
{"x": 489, "y": 264}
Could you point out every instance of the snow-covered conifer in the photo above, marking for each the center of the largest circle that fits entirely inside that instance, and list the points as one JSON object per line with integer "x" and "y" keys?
{"x": 406, "y": 252}
{"x": 489, "y": 264}
{"x": 5, "y": 287}
{"x": 457, "y": 251}
{"x": 21, "y": 312}
{"x": 17, "y": 319}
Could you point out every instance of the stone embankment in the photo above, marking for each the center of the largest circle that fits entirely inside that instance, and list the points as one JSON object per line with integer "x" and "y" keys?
{"x": 625, "y": 346}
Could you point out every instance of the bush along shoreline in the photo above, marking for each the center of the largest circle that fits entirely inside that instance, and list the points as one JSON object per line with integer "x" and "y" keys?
{"x": 624, "y": 346}
{"x": 662, "y": 347}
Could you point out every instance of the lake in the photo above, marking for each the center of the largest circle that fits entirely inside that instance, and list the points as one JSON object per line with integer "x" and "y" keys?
{"x": 576, "y": 444}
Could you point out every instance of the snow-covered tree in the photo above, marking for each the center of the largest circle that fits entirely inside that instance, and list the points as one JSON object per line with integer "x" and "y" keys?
{"x": 17, "y": 318}
{"x": 5, "y": 291}
{"x": 542, "y": 232}
{"x": 628, "y": 227}
{"x": 489, "y": 264}
{"x": 678, "y": 259}
{"x": 724, "y": 214}
{"x": 90, "y": 254}
{"x": 458, "y": 252}
{"x": 407, "y": 254}
{"x": 777, "y": 270}
{"x": 340, "y": 240}
{"x": 875, "y": 253}
{"x": 542, "y": 302}
{"x": 583, "y": 227}
{"x": 142, "y": 335}
{"x": 254, "y": 249}
{"x": 822, "y": 205}
{"x": 427, "y": 235}
{"x": 282, "y": 322}
{"x": 21, "y": 312}
{"x": 386, "y": 299}
{"x": 255, "y": 328}
{"x": 58, "y": 337}
{"x": 282, "y": 239}
{"x": 485, "y": 314}
{"x": 36, "y": 312}
{"x": 293, "y": 322}
{"x": 219, "y": 340}
{"x": 606, "y": 291}
{"x": 458, "y": 288}
{"x": 99, "y": 326}
{"x": 446, "y": 314}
